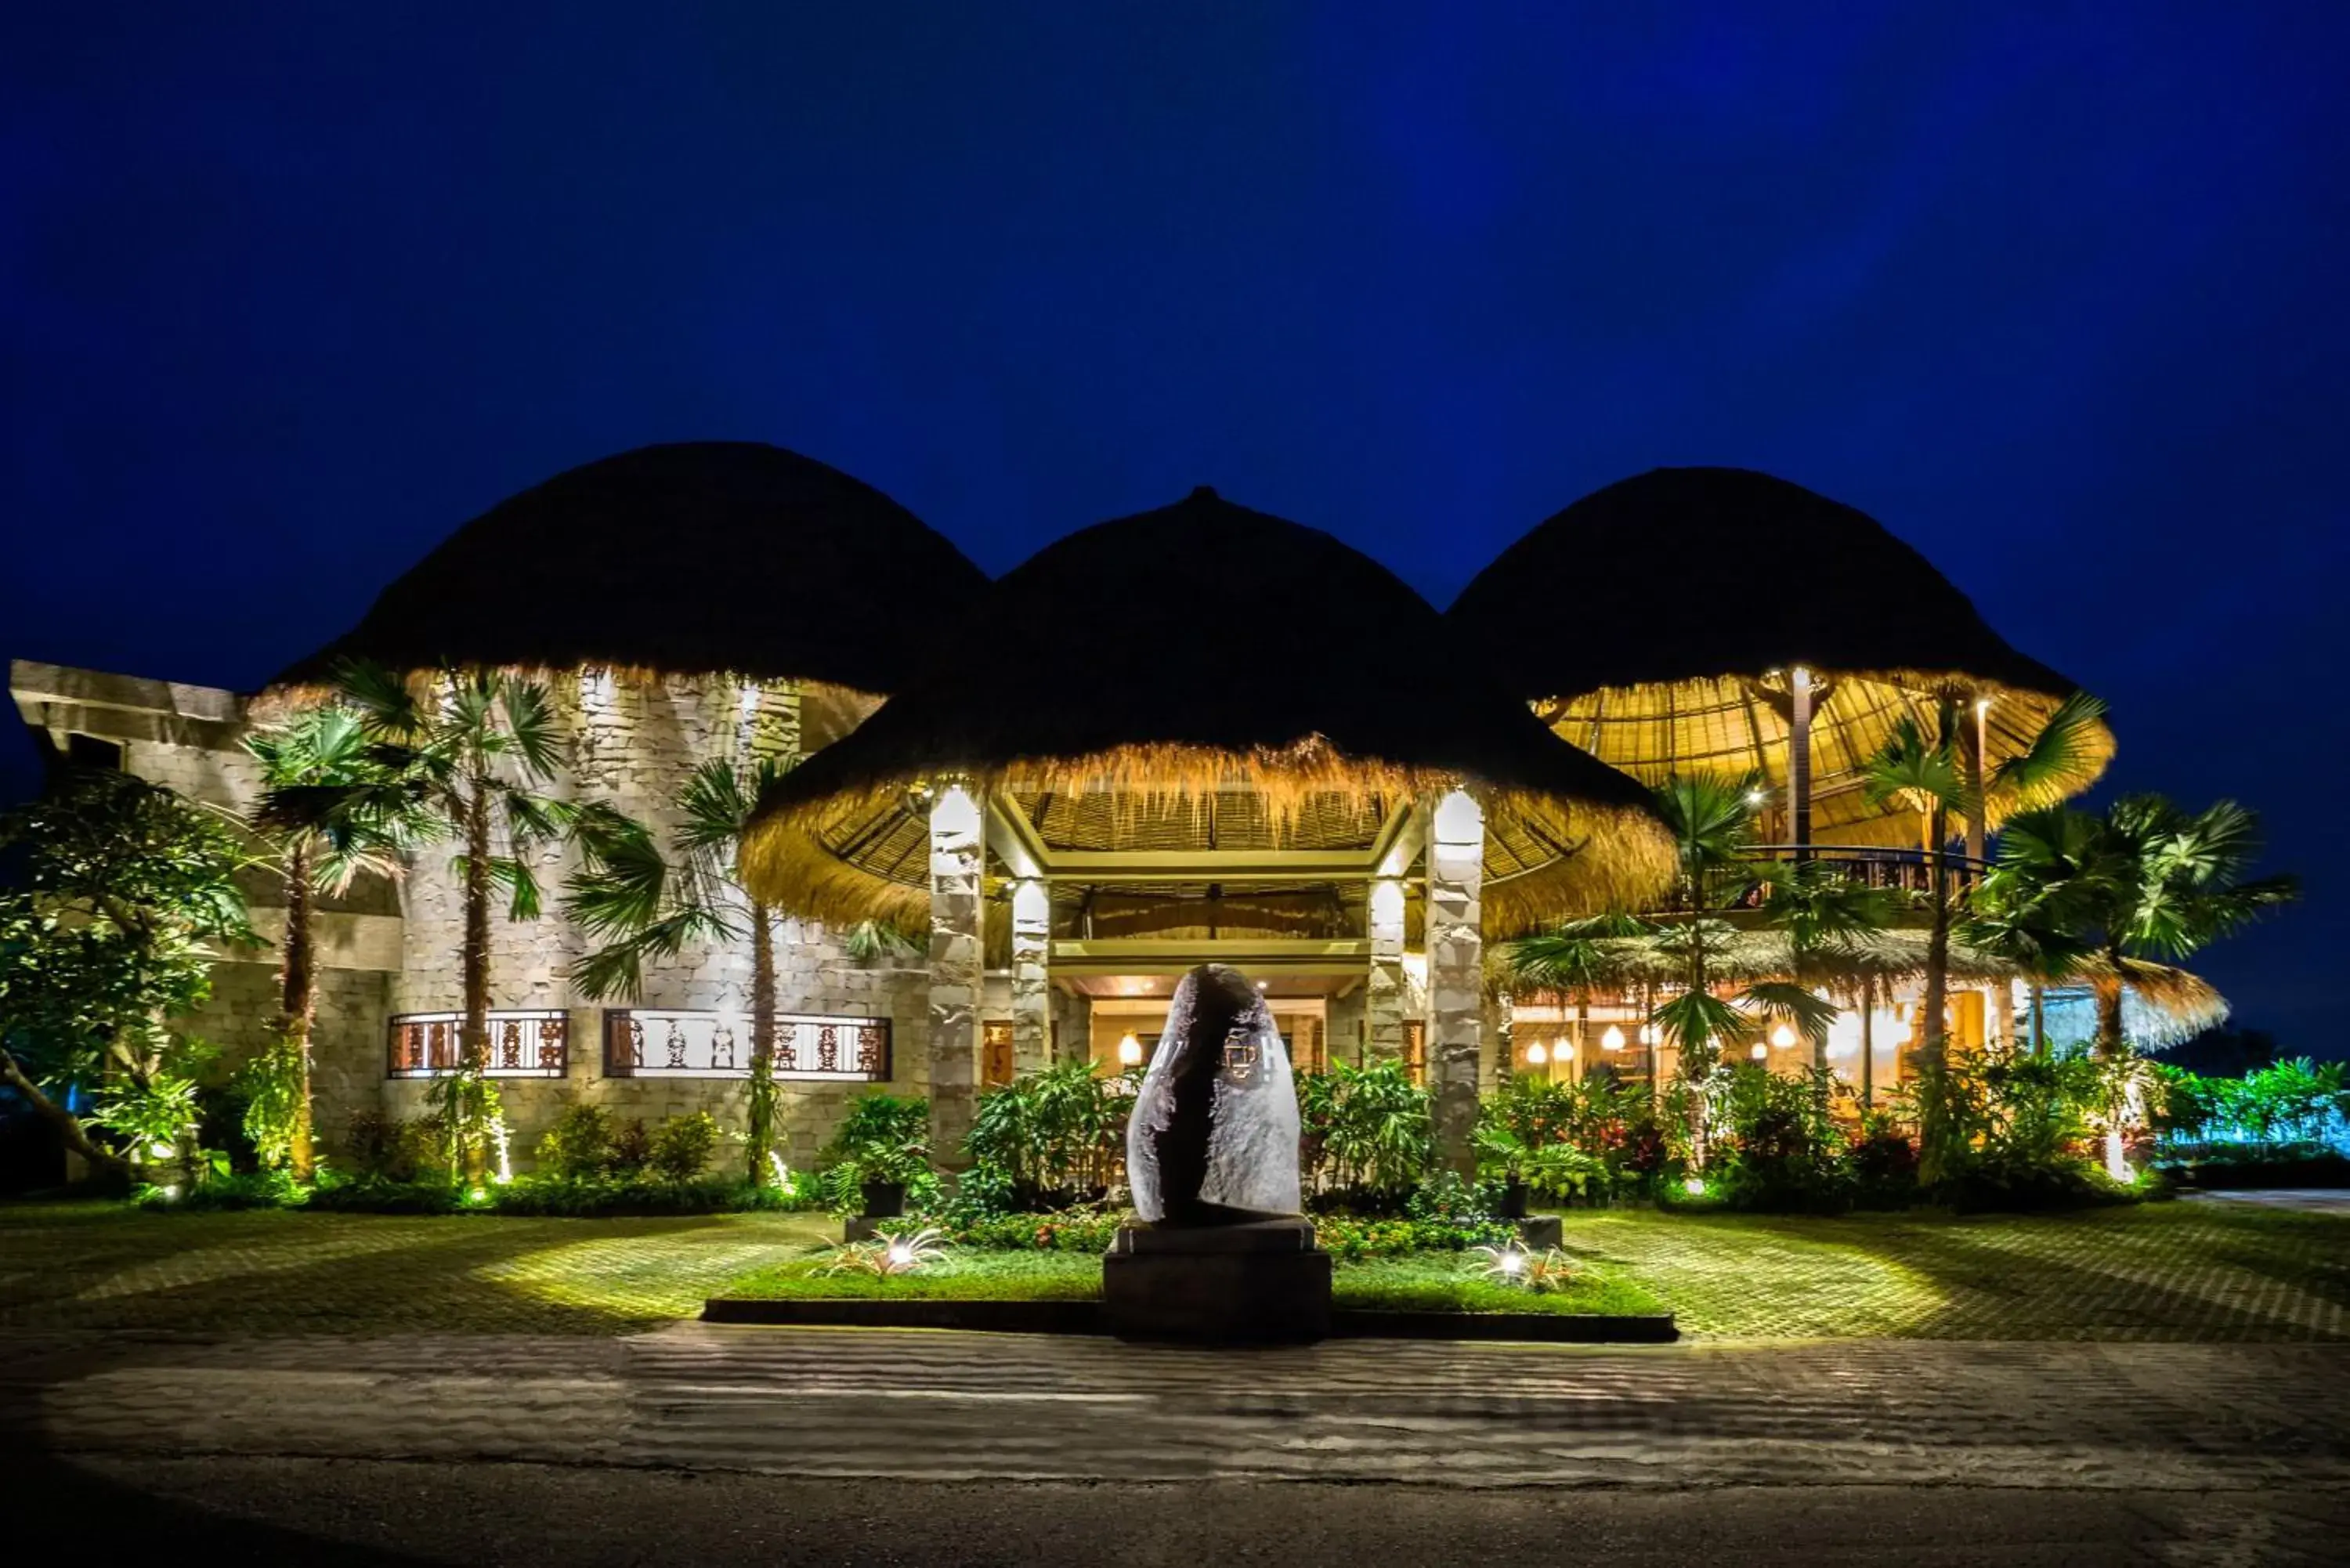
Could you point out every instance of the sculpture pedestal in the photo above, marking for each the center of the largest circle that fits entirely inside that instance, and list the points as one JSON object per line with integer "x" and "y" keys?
{"x": 1263, "y": 1282}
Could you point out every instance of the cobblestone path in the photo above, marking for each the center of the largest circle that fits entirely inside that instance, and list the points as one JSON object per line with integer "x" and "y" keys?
{"x": 941, "y": 1407}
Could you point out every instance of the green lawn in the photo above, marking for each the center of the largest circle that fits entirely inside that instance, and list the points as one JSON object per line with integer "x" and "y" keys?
{"x": 2171, "y": 1271}
{"x": 1443, "y": 1282}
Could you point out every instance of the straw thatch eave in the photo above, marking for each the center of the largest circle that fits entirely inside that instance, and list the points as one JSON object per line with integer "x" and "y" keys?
{"x": 1236, "y": 651}
{"x": 1785, "y": 577}
{"x": 693, "y": 558}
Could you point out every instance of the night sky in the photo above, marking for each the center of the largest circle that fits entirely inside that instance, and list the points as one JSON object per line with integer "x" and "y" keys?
{"x": 289, "y": 293}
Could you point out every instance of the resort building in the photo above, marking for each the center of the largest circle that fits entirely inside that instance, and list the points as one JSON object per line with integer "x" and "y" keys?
{"x": 981, "y": 867}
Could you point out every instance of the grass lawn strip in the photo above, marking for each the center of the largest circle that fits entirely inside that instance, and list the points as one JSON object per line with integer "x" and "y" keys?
{"x": 1417, "y": 1281}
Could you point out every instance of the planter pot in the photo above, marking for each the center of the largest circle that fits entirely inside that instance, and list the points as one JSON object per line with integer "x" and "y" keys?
{"x": 884, "y": 1199}
{"x": 1513, "y": 1201}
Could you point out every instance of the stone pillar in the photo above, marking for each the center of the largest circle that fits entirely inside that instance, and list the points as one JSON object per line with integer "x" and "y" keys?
{"x": 1456, "y": 875}
{"x": 1032, "y": 994}
{"x": 956, "y": 859}
{"x": 1384, "y": 998}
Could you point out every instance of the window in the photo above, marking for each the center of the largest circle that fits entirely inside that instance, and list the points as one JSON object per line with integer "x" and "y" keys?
{"x": 642, "y": 1043}
{"x": 524, "y": 1042}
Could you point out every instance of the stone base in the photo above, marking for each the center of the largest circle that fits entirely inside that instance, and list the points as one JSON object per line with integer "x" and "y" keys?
{"x": 1255, "y": 1283}
{"x": 1540, "y": 1233}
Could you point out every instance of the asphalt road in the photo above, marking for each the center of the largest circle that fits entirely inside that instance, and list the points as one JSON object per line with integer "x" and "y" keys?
{"x": 698, "y": 1444}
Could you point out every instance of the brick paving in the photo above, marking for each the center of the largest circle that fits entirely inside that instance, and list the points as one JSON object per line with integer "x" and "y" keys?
{"x": 2183, "y": 1272}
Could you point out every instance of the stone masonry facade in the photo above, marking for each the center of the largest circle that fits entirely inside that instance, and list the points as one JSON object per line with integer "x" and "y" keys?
{"x": 630, "y": 740}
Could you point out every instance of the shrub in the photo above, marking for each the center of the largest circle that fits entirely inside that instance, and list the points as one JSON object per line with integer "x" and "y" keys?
{"x": 579, "y": 1145}
{"x": 1062, "y": 1231}
{"x": 1365, "y": 1133}
{"x": 387, "y": 1149}
{"x": 681, "y": 1147}
{"x": 884, "y": 1137}
{"x": 1052, "y": 1139}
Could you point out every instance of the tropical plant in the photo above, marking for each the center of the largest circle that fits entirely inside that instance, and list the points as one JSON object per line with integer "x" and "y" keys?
{"x": 1054, "y": 1138}
{"x": 1921, "y": 773}
{"x": 275, "y": 1084}
{"x": 578, "y": 1145}
{"x": 2144, "y": 884}
{"x": 638, "y": 903}
{"x": 1372, "y": 1127}
{"x": 1555, "y": 1168}
{"x": 324, "y": 813}
{"x": 108, "y": 933}
{"x": 1538, "y": 1272}
{"x": 888, "y": 1255}
{"x": 883, "y": 1139}
{"x": 465, "y": 752}
{"x": 156, "y": 1114}
{"x": 681, "y": 1147}
{"x": 869, "y": 942}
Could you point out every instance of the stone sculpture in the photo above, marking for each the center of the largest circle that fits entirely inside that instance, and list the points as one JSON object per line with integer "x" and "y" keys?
{"x": 1213, "y": 1138}
{"x": 1211, "y": 1158}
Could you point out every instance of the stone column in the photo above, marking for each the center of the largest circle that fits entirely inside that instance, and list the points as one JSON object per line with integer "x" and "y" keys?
{"x": 1383, "y": 1000}
{"x": 956, "y": 859}
{"x": 1456, "y": 875}
{"x": 1032, "y": 995}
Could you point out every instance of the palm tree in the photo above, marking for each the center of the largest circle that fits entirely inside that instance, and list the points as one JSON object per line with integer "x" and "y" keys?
{"x": 466, "y": 754}
{"x": 641, "y": 903}
{"x": 2146, "y": 882}
{"x": 2031, "y": 928}
{"x": 1576, "y": 959}
{"x": 327, "y": 824}
{"x": 1828, "y": 918}
{"x": 1712, "y": 826}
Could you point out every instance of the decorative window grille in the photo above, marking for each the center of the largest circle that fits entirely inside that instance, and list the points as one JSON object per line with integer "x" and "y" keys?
{"x": 524, "y": 1042}
{"x": 644, "y": 1042}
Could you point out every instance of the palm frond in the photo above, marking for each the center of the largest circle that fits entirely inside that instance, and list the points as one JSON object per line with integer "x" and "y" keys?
{"x": 2053, "y": 766}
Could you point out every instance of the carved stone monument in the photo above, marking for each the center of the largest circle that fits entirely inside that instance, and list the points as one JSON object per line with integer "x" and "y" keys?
{"x": 1223, "y": 1252}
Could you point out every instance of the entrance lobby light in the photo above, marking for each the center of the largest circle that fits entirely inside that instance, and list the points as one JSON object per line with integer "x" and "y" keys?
{"x": 1130, "y": 1051}
{"x": 1536, "y": 1054}
{"x": 1613, "y": 1040}
{"x": 1782, "y": 1037}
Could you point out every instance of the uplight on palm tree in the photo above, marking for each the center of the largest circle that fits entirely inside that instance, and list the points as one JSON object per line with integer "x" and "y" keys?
{"x": 638, "y": 903}
{"x": 469, "y": 750}
{"x": 325, "y": 812}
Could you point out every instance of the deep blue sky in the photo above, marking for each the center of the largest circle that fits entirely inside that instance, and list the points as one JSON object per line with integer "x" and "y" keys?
{"x": 287, "y": 292}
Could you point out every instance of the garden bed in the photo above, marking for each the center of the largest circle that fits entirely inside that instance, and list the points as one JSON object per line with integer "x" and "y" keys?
{"x": 1415, "y": 1295}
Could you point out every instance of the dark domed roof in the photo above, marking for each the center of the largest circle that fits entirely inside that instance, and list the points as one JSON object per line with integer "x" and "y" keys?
{"x": 698, "y": 557}
{"x": 1690, "y": 572}
{"x": 1654, "y": 624}
{"x": 1219, "y": 628}
{"x": 1194, "y": 647}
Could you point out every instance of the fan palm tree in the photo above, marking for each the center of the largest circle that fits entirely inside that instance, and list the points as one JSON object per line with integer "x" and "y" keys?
{"x": 2031, "y": 928}
{"x": 641, "y": 903}
{"x": 322, "y": 813}
{"x": 2146, "y": 882}
{"x": 1828, "y": 918}
{"x": 468, "y": 753}
{"x": 1576, "y": 959}
{"x": 1713, "y": 825}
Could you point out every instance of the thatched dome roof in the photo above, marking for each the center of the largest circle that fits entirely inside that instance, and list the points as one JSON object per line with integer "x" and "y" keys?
{"x": 694, "y": 558}
{"x": 1173, "y": 655}
{"x": 1652, "y": 622}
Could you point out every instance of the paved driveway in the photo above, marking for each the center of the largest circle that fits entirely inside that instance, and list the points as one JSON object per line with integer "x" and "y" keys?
{"x": 941, "y": 1407}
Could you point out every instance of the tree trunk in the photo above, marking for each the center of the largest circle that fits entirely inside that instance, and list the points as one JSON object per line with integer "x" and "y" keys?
{"x": 77, "y": 1137}
{"x": 298, "y": 1001}
{"x": 1931, "y": 1055}
{"x": 1868, "y": 1042}
{"x": 2039, "y": 1019}
{"x": 473, "y": 1140}
{"x": 761, "y": 1128}
{"x": 2113, "y": 1049}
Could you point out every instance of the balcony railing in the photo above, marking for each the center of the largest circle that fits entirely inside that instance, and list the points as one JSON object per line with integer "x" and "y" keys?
{"x": 524, "y": 1042}
{"x": 1892, "y": 870}
{"x": 640, "y": 1043}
